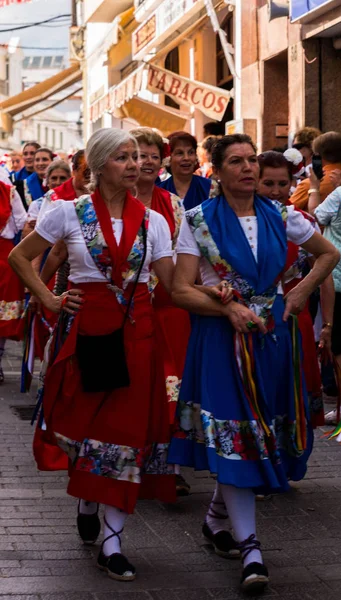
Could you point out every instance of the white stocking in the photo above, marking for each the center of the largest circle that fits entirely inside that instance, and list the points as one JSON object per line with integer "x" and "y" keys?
{"x": 87, "y": 508}
{"x": 114, "y": 520}
{"x": 217, "y": 514}
{"x": 241, "y": 507}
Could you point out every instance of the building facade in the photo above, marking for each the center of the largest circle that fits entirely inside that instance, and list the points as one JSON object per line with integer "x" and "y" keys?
{"x": 264, "y": 67}
{"x": 160, "y": 64}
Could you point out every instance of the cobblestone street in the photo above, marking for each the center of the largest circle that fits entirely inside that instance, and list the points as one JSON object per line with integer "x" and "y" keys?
{"x": 42, "y": 558}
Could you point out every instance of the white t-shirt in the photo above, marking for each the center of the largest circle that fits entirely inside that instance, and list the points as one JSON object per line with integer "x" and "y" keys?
{"x": 18, "y": 216}
{"x": 299, "y": 230}
{"x": 60, "y": 222}
{"x": 34, "y": 209}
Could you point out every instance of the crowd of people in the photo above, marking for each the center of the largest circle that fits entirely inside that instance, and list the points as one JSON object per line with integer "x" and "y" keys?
{"x": 181, "y": 299}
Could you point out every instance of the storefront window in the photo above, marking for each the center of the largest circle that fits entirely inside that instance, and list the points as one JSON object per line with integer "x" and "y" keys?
{"x": 172, "y": 64}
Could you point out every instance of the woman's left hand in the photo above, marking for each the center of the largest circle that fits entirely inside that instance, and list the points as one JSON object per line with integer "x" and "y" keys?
{"x": 223, "y": 292}
{"x": 325, "y": 344}
{"x": 72, "y": 301}
{"x": 294, "y": 302}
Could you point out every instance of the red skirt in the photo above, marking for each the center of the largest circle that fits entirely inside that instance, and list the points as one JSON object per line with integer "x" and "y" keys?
{"x": 311, "y": 367}
{"x": 117, "y": 441}
{"x": 12, "y": 296}
{"x": 172, "y": 332}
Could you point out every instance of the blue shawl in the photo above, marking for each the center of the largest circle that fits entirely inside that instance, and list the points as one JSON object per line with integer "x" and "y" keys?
{"x": 22, "y": 174}
{"x": 225, "y": 229}
{"x": 34, "y": 186}
{"x": 198, "y": 191}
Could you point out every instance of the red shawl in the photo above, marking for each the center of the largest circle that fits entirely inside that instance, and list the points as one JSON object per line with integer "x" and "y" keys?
{"x": 5, "y": 204}
{"x": 161, "y": 203}
{"x": 66, "y": 191}
{"x": 133, "y": 215}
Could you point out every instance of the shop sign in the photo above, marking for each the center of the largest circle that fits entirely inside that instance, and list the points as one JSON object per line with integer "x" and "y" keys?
{"x": 4, "y": 3}
{"x": 212, "y": 101}
{"x": 232, "y": 127}
{"x": 144, "y": 34}
{"x": 164, "y": 19}
{"x": 171, "y": 11}
{"x": 143, "y": 8}
{"x": 310, "y": 9}
{"x": 118, "y": 95}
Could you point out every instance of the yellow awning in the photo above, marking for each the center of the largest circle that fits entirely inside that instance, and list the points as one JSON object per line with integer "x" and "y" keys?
{"x": 120, "y": 54}
{"x": 41, "y": 91}
{"x": 148, "y": 114}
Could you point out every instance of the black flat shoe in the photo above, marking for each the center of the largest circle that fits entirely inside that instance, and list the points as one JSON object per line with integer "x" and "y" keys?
{"x": 182, "y": 487}
{"x": 2, "y": 377}
{"x": 255, "y": 578}
{"x": 89, "y": 527}
{"x": 223, "y": 542}
{"x": 117, "y": 566}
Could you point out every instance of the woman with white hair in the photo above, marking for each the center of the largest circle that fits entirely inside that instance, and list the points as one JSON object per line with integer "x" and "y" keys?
{"x": 105, "y": 400}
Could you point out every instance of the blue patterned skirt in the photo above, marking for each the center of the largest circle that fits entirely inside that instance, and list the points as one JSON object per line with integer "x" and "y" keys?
{"x": 216, "y": 428}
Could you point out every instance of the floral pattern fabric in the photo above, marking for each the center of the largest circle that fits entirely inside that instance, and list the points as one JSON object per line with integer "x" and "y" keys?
{"x": 260, "y": 305}
{"x": 115, "y": 461}
{"x": 11, "y": 310}
{"x": 98, "y": 249}
{"x": 235, "y": 440}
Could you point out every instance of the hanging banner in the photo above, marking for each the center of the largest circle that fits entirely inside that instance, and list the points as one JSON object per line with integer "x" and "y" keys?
{"x": 212, "y": 101}
{"x": 4, "y": 3}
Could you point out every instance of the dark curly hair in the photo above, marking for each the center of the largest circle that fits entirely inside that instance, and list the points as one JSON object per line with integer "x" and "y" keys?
{"x": 220, "y": 147}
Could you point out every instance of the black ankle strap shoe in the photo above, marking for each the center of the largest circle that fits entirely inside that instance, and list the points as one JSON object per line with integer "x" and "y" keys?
{"x": 89, "y": 527}
{"x": 223, "y": 542}
{"x": 117, "y": 566}
{"x": 255, "y": 578}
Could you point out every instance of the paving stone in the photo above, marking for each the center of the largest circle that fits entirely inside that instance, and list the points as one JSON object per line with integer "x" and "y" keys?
{"x": 42, "y": 558}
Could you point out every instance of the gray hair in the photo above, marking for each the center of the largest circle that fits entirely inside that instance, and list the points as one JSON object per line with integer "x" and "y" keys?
{"x": 58, "y": 164}
{"x": 101, "y": 145}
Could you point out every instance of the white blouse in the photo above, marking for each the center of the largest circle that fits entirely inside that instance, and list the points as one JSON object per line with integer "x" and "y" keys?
{"x": 18, "y": 216}
{"x": 33, "y": 210}
{"x": 60, "y": 222}
{"x": 299, "y": 230}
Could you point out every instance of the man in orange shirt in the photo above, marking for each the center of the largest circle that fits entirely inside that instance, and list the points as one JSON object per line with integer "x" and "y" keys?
{"x": 328, "y": 146}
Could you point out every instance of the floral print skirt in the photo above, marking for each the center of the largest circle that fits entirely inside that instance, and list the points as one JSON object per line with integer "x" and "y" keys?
{"x": 216, "y": 428}
{"x": 117, "y": 442}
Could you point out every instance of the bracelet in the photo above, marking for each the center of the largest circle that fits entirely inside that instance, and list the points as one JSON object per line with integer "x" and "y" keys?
{"x": 313, "y": 191}
{"x": 324, "y": 325}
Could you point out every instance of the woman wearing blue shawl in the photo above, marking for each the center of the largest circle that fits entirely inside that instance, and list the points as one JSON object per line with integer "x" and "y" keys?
{"x": 33, "y": 186}
{"x": 242, "y": 410}
{"x": 192, "y": 189}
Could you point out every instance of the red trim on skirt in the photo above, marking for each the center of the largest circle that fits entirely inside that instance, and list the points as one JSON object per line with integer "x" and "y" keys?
{"x": 135, "y": 417}
{"x": 12, "y": 296}
{"x": 172, "y": 332}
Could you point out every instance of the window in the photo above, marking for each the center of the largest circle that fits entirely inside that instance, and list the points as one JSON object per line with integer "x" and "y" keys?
{"x": 223, "y": 72}
{"x": 53, "y": 139}
{"x": 36, "y": 62}
{"x": 58, "y": 61}
{"x": 61, "y": 140}
{"x": 39, "y": 132}
{"x": 47, "y": 60}
{"x": 172, "y": 64}
{"x": 46, "y": 135}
